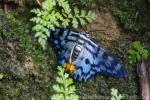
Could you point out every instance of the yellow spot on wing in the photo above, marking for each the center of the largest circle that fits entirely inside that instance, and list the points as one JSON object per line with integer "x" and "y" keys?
{"x": 67, "y": 66}
{"x": 70, "y": 67}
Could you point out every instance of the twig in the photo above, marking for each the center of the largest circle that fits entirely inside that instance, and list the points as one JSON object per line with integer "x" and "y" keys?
{"x": 39, "y": 3}
{"x": 142, "y": 70}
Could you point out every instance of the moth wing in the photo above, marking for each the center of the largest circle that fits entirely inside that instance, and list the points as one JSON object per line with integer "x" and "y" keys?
{"x": 94, "y": 60}
{"x": 109, "y": 65}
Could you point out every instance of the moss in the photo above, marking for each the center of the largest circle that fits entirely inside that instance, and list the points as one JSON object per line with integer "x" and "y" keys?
{"x": 19, "y": 44}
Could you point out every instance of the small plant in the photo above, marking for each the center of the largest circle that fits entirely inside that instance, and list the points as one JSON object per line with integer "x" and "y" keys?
{"x": 1, "y": 75}
{"x": 87, "y": 2}
{"x": 90, "y": 3}
{"x": 115, "y": 95}
{"x": 64, "y": 89}
{"x": 58, "y": 13}
{"x": 133, "y": 15}
{"x": 137, "y": 53}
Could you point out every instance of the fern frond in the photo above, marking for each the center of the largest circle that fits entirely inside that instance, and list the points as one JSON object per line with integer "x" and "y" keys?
{"x": 49, "y": 17}
{"x": 65, "y": 90}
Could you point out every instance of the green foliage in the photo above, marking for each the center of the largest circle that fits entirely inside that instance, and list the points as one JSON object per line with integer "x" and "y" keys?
{"x": 137, "y": 53}
{"x": 2, "y": 76}
{"x": 64, "y": 89}
{"x": 58, "y": 13}
{"x": 115, "y": 95}
{"x": 134, "y": 15}
{"x": 13, "y": 20}
{"x": 18, "y": 27}
{"x": 88, "y": 3}
{"x": 126, "y": 12}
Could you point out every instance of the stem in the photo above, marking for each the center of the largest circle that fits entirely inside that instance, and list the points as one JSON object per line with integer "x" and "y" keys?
{"x": 39, "y": 3}
{"x": 142, "y": 70}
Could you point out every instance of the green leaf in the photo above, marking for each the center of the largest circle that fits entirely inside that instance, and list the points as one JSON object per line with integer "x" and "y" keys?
{"x": 115, "y": 95}
{"x": 58, "y": 97}
{"x": 82, "y": 21}
{"x": 65, "y": 90}
{"x": 83, "y": 13}
{"x": 76, "y": 11}
{"x": 38, "y": 34}
{"x": 137, "y": 52}
{"x": 138, "y": 56}
{"x": 72, "y": 97}
{"x": 75, "y": 23}
{"x": 136, "y": 44}
{"x": 1, "y": 76}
